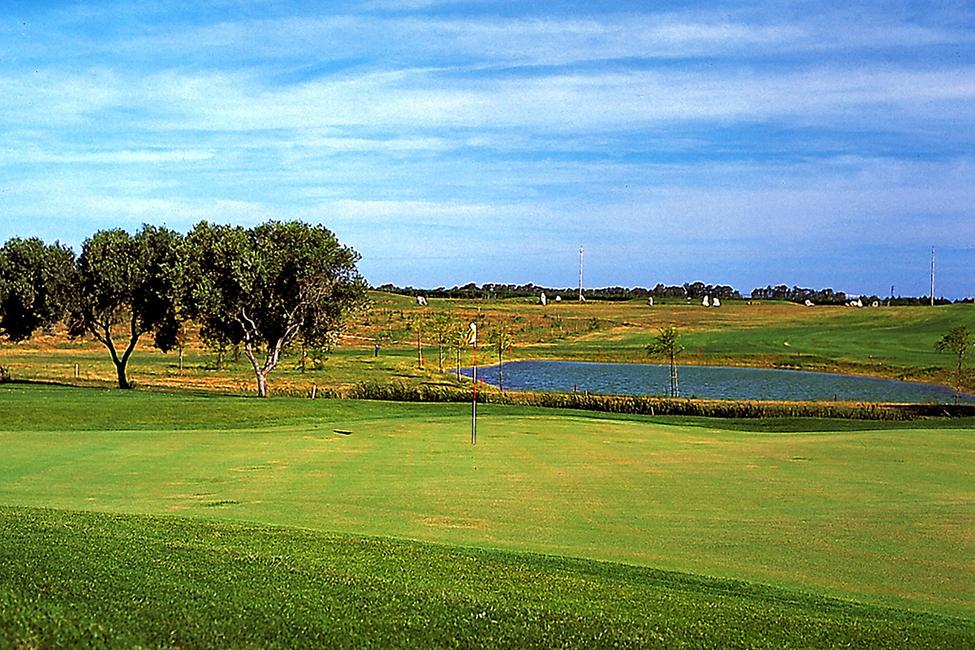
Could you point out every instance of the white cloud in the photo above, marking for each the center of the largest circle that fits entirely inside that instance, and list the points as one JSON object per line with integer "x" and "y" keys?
{"x": 547, "y": 39}
{"x": 408, "y": 214}
{"x": 327, "y": 144}
{"x": 554, "y": 102}
{"x": 52, "y": 98}
{"x": 126, "y": 157}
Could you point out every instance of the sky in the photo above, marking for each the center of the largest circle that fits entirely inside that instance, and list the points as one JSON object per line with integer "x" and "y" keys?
{"x": 815, "y": 144}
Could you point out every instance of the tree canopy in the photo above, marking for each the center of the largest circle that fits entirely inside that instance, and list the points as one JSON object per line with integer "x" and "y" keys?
{"x": 36, "y": 282}
{"x": 262, "y": 287}
{"x": 128, "y": 283}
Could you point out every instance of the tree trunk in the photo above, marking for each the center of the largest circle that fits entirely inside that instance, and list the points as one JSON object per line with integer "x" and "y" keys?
{"x": 123, "y": 381}
{"x": 674, "y": 385}
{"x": 271, "y": 359}
{"x": 105, "y": 337}
{"x": 500, "y": 371}
{"x": 259, "y": 372}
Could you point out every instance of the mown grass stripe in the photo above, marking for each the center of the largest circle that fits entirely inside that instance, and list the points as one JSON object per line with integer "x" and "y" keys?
{"x": 72, "y": 578}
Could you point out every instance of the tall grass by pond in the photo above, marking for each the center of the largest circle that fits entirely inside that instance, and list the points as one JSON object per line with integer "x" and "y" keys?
{"x": 649, "y": 405}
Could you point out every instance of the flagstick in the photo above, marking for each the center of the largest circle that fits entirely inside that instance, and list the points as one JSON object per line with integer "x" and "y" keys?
{"x": 474, "y": 403}
{"x": 472, "y": 340}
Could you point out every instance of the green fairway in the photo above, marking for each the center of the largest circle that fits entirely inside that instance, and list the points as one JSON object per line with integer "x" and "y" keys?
{"x": 75, "y": 579}
{"x": 883, "y": 516}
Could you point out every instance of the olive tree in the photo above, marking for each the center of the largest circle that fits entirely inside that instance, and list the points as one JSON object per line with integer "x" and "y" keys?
{"x": 36, "y": 281}
{"x": 266, "y": 286}
{"x": 127, "y": 286}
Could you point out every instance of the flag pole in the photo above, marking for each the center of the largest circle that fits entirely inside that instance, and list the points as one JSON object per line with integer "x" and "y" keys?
{"x": 473, "y": 342}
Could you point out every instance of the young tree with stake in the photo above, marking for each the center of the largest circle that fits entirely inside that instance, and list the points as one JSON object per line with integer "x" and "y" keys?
{"x": 443, "y": 325}
{"x": 417, "y": 324}
{"x": 667, "y": 342}
{"x": 500, "y": 340}
{"x": 958, "y": 340}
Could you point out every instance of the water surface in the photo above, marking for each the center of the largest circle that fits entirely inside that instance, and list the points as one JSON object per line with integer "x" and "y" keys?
{"x": 712, "y": 382}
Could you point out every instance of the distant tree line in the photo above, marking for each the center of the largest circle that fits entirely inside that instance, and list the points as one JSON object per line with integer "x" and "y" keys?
{"x": 800, "y": 295}
{"x": 830, "y": 297}
{"x": 692, "y": 291}
{"x": 259, "y": 288}
{"x": 491, "y": 291}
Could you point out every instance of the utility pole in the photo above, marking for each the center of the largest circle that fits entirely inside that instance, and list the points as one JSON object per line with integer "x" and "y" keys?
{"x": 932, "y": 276}
{"x": 581, "y": 254}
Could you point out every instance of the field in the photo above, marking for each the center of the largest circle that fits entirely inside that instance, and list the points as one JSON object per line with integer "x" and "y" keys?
{"x": 881, "y": 517}
{"x": 190, "y": 514}
{"x": 896, "y": 343}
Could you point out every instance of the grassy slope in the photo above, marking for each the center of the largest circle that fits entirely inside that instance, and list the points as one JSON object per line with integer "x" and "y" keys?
{"x": 878, "y": 515}
{"x": 82, "y": 579}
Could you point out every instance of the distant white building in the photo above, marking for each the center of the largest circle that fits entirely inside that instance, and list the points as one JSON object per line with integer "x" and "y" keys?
{"x": 706, "y": 302}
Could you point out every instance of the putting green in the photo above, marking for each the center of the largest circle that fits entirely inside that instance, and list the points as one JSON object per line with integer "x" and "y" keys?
{"x": 884, "y": 516}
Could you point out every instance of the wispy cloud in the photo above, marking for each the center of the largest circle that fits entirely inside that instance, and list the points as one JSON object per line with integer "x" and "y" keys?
{"x": 129, "y": 157}
{"x": 550, "y": 102}
{"x": 545, "y": 38}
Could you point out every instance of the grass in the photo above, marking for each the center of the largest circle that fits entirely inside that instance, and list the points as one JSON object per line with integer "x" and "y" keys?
{"x": 193, "y": 518}
{"x": 883, "y": 516}
{"x": 82, "y": 579}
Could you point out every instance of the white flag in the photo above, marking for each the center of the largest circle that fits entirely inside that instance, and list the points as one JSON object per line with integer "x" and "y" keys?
{"x": 472, "y": 338}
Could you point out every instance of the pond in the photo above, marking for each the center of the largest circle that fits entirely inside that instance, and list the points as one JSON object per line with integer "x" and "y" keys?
{"x": 712, "y": 382}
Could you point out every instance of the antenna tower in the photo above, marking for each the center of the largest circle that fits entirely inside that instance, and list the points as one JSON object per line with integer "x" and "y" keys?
{"x": 581, "y": 254}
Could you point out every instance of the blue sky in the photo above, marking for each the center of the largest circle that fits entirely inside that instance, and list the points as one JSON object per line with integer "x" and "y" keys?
{"x": 803, "y": 143}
